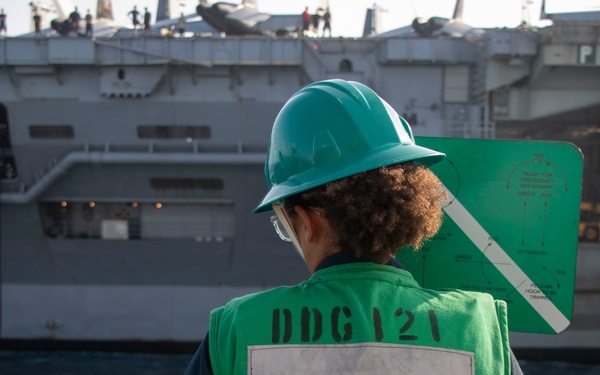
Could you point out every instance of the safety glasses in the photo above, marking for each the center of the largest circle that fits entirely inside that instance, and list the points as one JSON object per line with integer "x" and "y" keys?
{"x": 281, "y": 222}
{"x": 283, "y": 227}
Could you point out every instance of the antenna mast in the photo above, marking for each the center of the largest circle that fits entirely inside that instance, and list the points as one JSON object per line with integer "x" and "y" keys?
{"x": 104, "y": 9}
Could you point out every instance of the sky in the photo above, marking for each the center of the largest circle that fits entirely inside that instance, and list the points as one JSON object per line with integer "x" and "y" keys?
{"x": 347, "y": 15}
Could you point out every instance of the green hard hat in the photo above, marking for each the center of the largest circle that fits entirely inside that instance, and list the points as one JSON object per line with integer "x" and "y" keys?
{"x": 334, "y": 129}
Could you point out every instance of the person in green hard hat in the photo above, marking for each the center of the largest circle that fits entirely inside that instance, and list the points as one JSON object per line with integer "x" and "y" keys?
{"x": 349, "y": 188}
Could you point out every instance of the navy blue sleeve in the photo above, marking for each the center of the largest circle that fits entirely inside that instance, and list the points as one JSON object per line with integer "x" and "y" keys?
{"x": 200, "y": 363}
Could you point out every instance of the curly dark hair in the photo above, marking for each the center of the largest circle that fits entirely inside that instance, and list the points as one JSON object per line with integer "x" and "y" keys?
{"x": 378, "y": 212}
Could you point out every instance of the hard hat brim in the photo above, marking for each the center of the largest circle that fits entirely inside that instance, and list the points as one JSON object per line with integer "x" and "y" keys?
{"x": 376, "y": 158}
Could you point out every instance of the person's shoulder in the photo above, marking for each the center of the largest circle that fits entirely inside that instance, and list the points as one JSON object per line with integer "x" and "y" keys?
{"x": 461, "y": 295}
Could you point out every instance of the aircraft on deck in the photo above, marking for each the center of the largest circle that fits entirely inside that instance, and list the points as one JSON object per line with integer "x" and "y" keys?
{"x": 168, "y": 13}
{"x": 226, "y": 18}
{"x": 223, "y": 18}
{"x": 436, "y": 26}
{"x": 103, "y": 22}
{"x": 246, "y": 19}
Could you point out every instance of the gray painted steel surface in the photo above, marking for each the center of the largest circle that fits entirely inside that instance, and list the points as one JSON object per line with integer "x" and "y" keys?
{"x": 79, "y": 111}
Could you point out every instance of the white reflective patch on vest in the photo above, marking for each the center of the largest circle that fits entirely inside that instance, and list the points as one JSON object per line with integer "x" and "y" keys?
{"x": 365, "y": 358}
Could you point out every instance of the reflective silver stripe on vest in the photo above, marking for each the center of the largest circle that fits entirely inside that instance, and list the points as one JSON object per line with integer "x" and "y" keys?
{"x": 364, "y": 358}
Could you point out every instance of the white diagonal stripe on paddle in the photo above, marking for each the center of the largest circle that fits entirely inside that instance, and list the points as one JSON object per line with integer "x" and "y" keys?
{"x": 511, "y": 271}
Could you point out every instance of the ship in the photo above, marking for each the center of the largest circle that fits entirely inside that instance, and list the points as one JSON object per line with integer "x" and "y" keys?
{"x": 131, "y": 163}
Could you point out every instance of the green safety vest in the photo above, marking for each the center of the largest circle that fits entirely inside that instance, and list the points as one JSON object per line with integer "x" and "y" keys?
{"x": 360, "y": 318}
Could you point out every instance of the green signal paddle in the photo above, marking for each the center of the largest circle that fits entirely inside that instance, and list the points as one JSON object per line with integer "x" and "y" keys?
{"x": 510, "y": 227}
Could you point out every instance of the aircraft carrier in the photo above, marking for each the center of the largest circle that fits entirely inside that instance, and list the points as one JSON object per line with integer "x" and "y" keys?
{"x": 131, "y": 164}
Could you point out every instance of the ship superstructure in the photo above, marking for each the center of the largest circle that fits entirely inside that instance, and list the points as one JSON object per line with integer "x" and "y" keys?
{"x": 131, "y": 165}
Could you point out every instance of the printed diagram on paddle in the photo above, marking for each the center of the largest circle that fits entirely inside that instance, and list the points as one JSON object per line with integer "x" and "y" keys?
{"x": 510, "y": 227}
